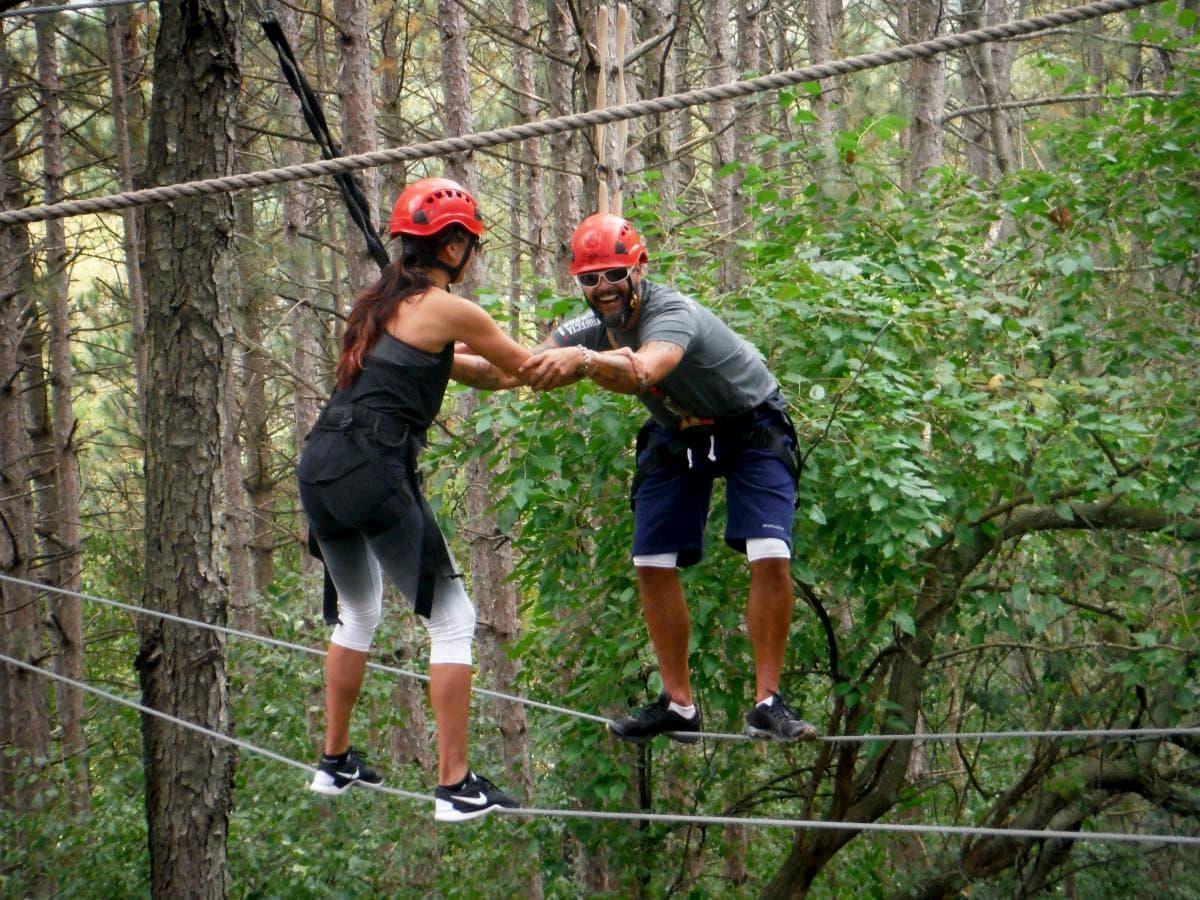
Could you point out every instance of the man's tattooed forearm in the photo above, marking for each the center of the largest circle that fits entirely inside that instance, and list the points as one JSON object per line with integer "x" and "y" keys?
{"x": 486, "y": 375}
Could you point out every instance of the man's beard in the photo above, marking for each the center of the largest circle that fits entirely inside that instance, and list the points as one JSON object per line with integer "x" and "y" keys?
{"x": 618, "y": 318}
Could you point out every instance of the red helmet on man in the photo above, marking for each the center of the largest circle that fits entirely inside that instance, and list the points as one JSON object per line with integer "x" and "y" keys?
{"x": 605, "y": 241}
{"x": 427, "y": 206}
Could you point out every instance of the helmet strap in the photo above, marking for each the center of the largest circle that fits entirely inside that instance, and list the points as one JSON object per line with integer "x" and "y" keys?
{"x": 455, "y": 271}
{"x": 430, "y": 261}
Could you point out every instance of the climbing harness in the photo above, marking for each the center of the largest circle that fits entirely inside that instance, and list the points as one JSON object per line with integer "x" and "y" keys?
{"x": 371, "y": 431}
{"x": 687, "y": 445}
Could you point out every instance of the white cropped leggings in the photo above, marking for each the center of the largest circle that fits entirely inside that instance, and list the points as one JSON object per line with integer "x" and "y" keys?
{"x": 354, "y": 565}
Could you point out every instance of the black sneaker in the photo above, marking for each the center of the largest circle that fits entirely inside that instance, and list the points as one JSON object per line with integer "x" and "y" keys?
{"x": 334, "y": 775}
{"x": 475, "y": 797}
{"x": 777, "y": 722}
{"x": 657, "y": 718}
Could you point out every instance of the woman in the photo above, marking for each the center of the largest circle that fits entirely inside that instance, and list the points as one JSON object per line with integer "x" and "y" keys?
{"x": 360, "y": 492}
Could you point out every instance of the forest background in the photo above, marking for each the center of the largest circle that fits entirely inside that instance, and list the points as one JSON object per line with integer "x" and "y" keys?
{"x": 975, "y": 277}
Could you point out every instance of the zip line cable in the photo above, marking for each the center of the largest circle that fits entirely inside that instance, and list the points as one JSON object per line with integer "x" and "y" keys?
{"x": 666, "y": 818}
{"x": 67, "y": 7}
{"x": 192, "y": 726}
{"x": 1099, "y": 733}
{"x": 287, "y": 645}
{"x": 575, "y": 122}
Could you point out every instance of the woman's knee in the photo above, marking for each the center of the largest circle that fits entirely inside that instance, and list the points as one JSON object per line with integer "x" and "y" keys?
{"x": 451, "y": 625}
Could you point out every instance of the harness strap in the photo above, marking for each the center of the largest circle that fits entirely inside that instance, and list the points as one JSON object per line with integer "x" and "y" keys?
{"x": 772, "y": 437}
{"x": 329, "y": 608}
{"x": 357, "y": 422}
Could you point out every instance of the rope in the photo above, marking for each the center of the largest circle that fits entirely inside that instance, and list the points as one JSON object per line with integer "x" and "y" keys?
{"x": 1101, "y": 733}
{"x": 94, "y": 4}
{"x": 468, "y": 143}
{"x": 536, "y": 812}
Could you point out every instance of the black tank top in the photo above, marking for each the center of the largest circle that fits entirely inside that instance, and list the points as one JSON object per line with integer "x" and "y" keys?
{"x": 401, "y": 381}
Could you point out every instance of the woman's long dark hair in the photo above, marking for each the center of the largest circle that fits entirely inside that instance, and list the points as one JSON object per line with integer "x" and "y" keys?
{"x": 405, "y": 277}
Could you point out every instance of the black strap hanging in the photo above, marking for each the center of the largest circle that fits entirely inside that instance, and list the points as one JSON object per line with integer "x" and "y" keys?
{"x": 310, "y": 106}
{"x": 356, "y": 205}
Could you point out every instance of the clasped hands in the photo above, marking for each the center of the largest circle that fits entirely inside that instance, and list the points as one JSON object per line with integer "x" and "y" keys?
{"x": 556, "y": 366}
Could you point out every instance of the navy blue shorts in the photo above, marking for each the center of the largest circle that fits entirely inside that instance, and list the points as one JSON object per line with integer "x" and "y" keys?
{"x": 672, "y": 502}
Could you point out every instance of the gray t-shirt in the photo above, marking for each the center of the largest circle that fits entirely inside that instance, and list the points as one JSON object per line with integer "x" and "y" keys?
{"x": 720, "y": 373}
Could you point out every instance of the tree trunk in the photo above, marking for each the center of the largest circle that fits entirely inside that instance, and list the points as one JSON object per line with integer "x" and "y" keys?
{"x": 131, "y": 218}
{"x": 980, "y": 62}
{"x": 236, "y": 505}
{"x": 237, "y": 536}
{"x": 721, "y": 119}
{"x": 358, "y": 126}
{"x": 921, "y": 20}
{"x": 66, "y": 614}
{"x": 305, "y": 326}
{"x": 530, "y": 205}
{"x": 661, "y": 78}
{"x": 747, "y": 124}
{"x": 190, "y": 273}
{"x": 255, "y": 409}
{"x": 24, "y": 725}
{"x": 565, "y": 44}
{"x": 824, "y": 22}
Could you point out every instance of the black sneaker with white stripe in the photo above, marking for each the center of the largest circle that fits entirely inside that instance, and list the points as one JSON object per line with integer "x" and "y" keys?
{"x": 777, "y": 722}
{"x": 474, "y": 797}
{"x": 336, "y": 773}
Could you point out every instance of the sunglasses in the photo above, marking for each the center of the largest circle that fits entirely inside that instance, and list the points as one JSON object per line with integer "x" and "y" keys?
{"x": 612, "y": 276}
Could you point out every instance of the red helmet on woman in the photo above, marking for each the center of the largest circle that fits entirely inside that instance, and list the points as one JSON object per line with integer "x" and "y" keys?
{"x": 605, "y": 241}
{"x": 427, "y": 206}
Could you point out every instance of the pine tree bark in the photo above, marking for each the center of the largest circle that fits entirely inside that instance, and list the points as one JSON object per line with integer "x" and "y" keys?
{"x": 747, "y": 123}
{"x": 983, "y": 87}
{"x": 824, "y": 25}
{"x": 66, "y": 613}
{"x": 25, "y": 723}
{"x": 530, "y": 210}
{"x": 236, "y": 502}
{"x": 661, "y": 79}
{"x": 304, "y": 323}
{"x": 255, "y": 410}
{"x": 564, "y": 43}
{"x": 358, "y": 126}
{"x": 131, "y": 219}
{"x": 720, "y": 125}
{"x": 921, "y": 20}
{"x": 190, "y": 274}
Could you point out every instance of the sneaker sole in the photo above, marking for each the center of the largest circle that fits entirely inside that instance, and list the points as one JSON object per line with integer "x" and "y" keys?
{"x": 673, "y": 735}
{"x": 808, "y": 734}
{"x": 332, "y": 790}
{"x": 453, "y": 815}
{"x": 329, "y": 791}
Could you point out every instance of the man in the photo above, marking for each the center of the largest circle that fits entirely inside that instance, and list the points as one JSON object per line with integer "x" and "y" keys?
{"x": 716, "y": 412}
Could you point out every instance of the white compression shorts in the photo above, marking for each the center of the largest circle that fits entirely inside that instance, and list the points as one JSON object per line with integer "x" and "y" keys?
{"x": 356, "y": 570}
